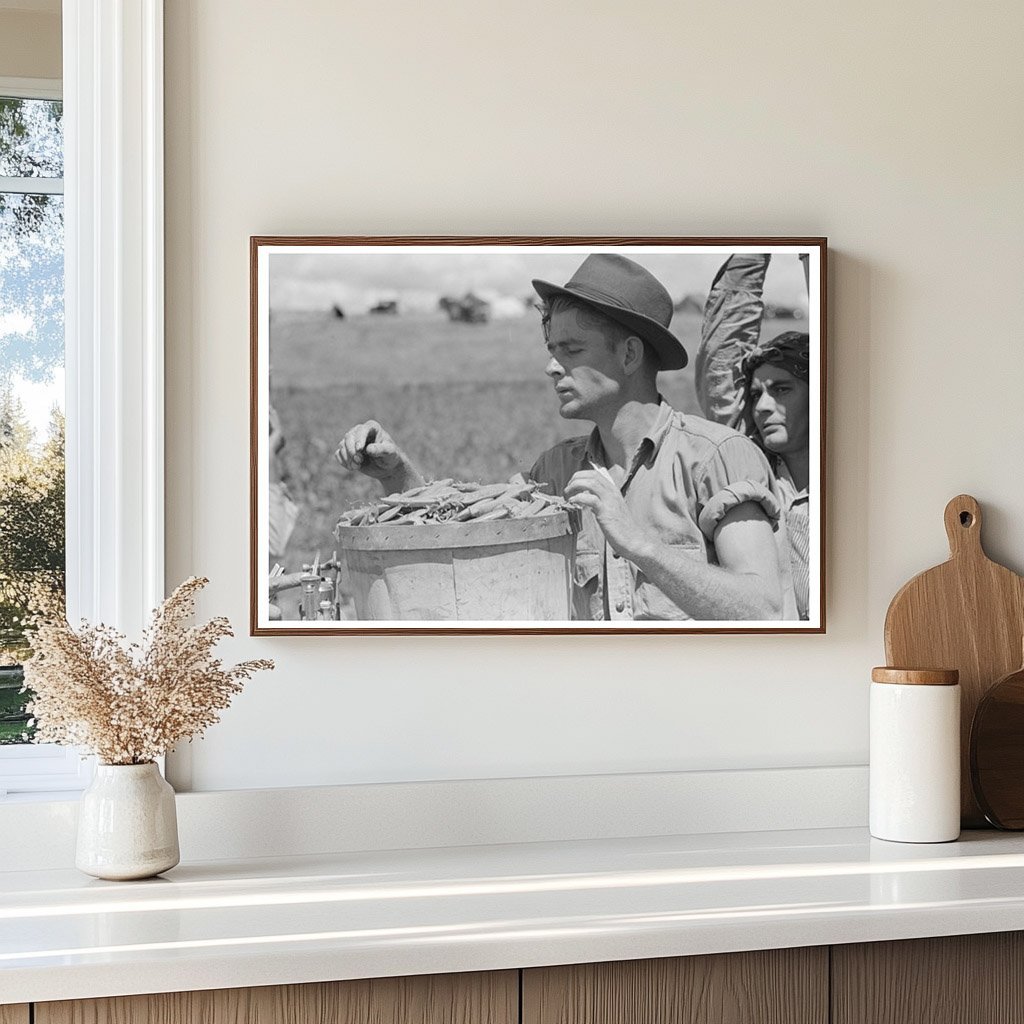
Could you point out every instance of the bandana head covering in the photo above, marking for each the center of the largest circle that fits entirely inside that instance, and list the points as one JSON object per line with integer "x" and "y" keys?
{"x": 791, "y": 351}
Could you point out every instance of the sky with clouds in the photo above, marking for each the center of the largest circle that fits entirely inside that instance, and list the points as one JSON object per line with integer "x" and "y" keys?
{"x": 355, "y": 281}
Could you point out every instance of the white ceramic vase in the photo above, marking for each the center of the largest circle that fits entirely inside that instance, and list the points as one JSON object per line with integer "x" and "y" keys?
{"x": 127, "y": 825}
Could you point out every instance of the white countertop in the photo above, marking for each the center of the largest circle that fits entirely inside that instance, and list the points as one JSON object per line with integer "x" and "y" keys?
{"x": 225, "y": 924}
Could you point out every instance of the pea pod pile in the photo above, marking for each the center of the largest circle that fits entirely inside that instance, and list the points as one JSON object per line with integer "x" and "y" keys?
{"x": 446, "y": 501}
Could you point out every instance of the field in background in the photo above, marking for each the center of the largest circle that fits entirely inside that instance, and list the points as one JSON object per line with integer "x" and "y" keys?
{"x": 468, "y": 401}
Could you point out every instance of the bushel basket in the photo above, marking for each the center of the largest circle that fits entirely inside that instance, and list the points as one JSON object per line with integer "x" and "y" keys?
{"x": 501, "y": 570}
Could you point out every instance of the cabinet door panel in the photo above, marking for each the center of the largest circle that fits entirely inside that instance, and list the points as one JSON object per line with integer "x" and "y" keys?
{"x": 778, "y": 986}
{"x": 14, "y": 1014}
{"x": 482, "y": 998}
{"x": 962, "y": 979}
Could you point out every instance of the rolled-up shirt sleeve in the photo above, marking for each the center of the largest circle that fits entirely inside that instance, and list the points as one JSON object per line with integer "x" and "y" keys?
{"x": 735, "y": 473}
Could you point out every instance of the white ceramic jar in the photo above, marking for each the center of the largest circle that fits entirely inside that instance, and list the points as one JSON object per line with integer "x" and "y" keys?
{"x": 915, "y": 755}
{"x": 127, "y": 823}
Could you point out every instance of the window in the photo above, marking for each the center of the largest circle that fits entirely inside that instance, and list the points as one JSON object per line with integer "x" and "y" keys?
{"x": 113, "y": 335}
{"x": 31, "y": 382}
{"x": 32, "y": 549}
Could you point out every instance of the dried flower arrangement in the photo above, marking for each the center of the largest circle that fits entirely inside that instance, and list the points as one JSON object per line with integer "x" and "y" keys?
{"x": 129, "y": 704}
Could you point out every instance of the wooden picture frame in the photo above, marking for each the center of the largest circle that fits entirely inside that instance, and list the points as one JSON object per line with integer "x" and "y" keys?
{"x": 430, "y": 340}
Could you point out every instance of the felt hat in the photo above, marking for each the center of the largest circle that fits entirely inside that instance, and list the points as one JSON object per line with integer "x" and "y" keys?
{"x": 630, "y": 295}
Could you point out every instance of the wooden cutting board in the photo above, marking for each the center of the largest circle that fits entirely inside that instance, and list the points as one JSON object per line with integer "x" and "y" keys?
{"x": 967, "y": 614}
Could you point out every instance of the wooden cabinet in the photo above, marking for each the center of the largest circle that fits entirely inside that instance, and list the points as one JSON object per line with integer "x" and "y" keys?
{"x": 967, "y": 979}
{"x": 972, "y": 979}
{"x": 963, "y": 979}
{"x": 778, "y": 986}
{"x": 491, "y": 998}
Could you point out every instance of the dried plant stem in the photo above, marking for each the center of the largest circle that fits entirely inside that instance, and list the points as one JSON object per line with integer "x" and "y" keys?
{"x": 130, "y": 703}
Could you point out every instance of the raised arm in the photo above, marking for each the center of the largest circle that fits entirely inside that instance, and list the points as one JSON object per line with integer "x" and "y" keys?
{"x": 731, "y": 328}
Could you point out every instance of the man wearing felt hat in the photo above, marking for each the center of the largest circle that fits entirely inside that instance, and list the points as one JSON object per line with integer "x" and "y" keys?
{"x": 679, "y": 516}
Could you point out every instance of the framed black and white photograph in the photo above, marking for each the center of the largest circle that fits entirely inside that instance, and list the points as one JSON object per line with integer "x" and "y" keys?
{"x": 537, "y": 435}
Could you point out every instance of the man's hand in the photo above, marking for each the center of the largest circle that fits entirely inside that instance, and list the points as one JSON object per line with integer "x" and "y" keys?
{"x": 371, "y": 450}
{"x": 592, "y": 489}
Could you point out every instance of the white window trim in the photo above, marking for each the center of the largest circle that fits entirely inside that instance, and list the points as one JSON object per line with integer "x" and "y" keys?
{"x": 32, "y": 88}
{"x": 114, "y": 325}
{"x": 43, "y": 768}
{"x": 32, "y": 186}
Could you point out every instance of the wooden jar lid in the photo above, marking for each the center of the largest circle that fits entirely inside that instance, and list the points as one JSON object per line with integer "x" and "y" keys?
{"x": 917, "y": 676}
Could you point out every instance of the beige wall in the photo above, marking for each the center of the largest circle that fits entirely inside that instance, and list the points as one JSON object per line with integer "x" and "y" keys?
{"x": 29, "y": 45}
{"x": 894, "y": 129}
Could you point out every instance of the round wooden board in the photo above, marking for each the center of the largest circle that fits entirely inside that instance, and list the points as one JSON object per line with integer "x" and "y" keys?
{"x": 997, "y": 752}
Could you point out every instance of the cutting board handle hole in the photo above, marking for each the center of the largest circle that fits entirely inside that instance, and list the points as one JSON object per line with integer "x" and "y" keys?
{"x": 966, "y": 519}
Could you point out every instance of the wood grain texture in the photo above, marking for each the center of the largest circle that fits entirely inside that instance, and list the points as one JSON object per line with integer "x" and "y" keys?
{"x": 962, "y": 979}
{"x": 481, "y": 998}
{"x": 967, "y": 614}
{"x": 915, "y": 676}
{"x": 14, "y": 1014}
{"x": 778, "y": 986}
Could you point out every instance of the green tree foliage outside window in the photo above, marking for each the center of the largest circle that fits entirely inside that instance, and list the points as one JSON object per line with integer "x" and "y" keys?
{"x": 31, "y": 350}
{"x": 31, "y": 547}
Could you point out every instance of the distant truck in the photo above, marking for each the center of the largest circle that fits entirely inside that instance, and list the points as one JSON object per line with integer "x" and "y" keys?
{"x": 470, "y": 309}
{"x": 388, "y": 307}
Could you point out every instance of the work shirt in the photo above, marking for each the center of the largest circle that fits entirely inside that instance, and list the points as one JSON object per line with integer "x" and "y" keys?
{"x": 685, "y": 475}
{"x": 796, "y": 504}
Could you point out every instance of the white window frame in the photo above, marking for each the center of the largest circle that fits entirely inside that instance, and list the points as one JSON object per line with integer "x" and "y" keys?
{"x": 114, "y": 326}
{"x": 37, "y": 768}
{"x": 31, "y": 89}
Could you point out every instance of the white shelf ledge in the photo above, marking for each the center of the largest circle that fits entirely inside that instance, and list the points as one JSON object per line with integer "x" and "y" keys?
{"x": 228, "y": 923}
